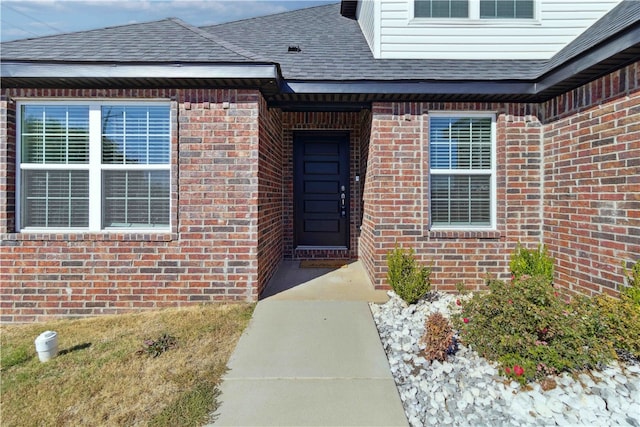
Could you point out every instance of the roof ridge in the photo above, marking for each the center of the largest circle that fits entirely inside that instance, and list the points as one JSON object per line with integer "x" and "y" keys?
{"x": 225, "y": 44}
{"x": 270, "y": 15}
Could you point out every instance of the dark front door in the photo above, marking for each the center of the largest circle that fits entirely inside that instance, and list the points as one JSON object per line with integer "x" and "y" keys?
{"x": 321, "y": 189}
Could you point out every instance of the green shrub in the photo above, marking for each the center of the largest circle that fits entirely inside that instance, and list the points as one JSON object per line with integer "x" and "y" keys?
{"x": 438, "y": 337}
{"x": 526, "y": 326}
{"x": 621, "y": 321}
{"x": 527, "y": 262}
{"x": 632, "y": 290}
{"x": 408, "y": 279}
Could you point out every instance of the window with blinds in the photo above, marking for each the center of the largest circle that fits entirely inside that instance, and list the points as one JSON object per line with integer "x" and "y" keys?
{"x": 462, "y": 171}
{"x": 487, "y": 9}
{"x": 124, "y": 182}
{"x": 54, "y": 146}
{"x": 135, "y": 139}
{"x": 441, "y": 8}
{"x": 506, "y": 9}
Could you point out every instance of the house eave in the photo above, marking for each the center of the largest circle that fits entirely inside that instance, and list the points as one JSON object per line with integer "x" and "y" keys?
{"x": 15, "y": 72}
{"x": 24, "y": 74}
{"x": 409, "y": 87}
{"x": 604, "y": 58}
{"x": 596, "y": 62}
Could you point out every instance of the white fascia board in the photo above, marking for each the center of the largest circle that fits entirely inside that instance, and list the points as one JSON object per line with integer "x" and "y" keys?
{"x": 26, "y": 69}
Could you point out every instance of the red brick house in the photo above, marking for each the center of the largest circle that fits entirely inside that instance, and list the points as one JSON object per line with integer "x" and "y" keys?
{"x": 162, "y": 164}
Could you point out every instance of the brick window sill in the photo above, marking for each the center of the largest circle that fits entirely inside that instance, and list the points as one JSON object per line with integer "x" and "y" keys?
{"x": 78, "y": 237}
{"x": 462, "y": 234}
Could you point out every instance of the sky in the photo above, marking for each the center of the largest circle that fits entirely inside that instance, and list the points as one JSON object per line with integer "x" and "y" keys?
{"x": 21, "y": 19}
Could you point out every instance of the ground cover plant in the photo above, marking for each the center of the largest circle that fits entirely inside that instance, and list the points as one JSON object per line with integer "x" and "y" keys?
{"x": 102, "y": 378}
{"x": 632, "y": 289}
{"x": 620, "y": 317}
{"x": 533, "y": 331}
{"x": 619, "y": 321}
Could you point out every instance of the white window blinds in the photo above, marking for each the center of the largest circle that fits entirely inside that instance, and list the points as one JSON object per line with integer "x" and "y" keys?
{"x": 442, "y": 8}
{"x": 127, "y": 175}
{"x": 506, "y": 9}
{"x": 487, "y": 9}
{"x": 55, "y": 157}
{"x": 461, "y": 169}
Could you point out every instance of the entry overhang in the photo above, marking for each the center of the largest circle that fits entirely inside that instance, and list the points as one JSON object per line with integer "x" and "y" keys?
{"x": 410, "y": 87}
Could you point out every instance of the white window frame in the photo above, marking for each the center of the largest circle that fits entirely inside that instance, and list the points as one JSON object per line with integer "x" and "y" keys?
{"x": 95, "y": 165}
{"x": 491, "y": 171}
{"x": 474, "y": 17}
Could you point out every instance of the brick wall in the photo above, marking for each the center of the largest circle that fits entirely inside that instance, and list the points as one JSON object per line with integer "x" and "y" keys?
{"x": 270, "y": 194}
{"x": 568, "y": 174}
{"x": 7, "y": 163}
{"x": 366, "y": 243}
{"x": 396, "y": 201}
{"x": 211, "y": 252}
{"x": 592, "y": 181}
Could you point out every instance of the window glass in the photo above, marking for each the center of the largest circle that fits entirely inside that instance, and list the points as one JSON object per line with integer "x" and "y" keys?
{"x": 460, "y": 158}
{"x": 509, "y": 9}
{"x": 131, "y": 171}
{"x": 489, "y": 9}
{"x": 460, "y": 200}
{"x": 52, "y": 134}
{"x": 460, "y": 143}
{"x": 136, "y": 198}
{"x": 441, "y": 8}
{"x": 55, "y": 198}
{"x": 135, "y": 135}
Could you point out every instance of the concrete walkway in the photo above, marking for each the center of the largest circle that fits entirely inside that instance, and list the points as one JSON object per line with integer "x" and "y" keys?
{"x": 313, "y": 362}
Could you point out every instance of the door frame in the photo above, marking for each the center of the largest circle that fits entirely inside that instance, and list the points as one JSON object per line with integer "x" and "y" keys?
{"x": 345, "y": 135}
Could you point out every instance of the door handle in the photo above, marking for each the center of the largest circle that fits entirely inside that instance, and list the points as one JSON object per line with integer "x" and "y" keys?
{"x": 343, "y": 199}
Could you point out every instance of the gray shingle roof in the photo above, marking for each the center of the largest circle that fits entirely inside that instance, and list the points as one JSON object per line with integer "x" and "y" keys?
{"x": 623, "y": 16}
{"x": 169, "y": 40}
{"x": 334, "y": 48}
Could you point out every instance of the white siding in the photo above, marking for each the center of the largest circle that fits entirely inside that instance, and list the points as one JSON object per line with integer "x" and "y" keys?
{"x": 557, "y": 23}
{"x": 366, "y": 16}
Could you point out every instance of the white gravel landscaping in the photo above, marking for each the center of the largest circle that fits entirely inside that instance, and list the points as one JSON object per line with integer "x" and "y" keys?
{"x": 467, "y": 390}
